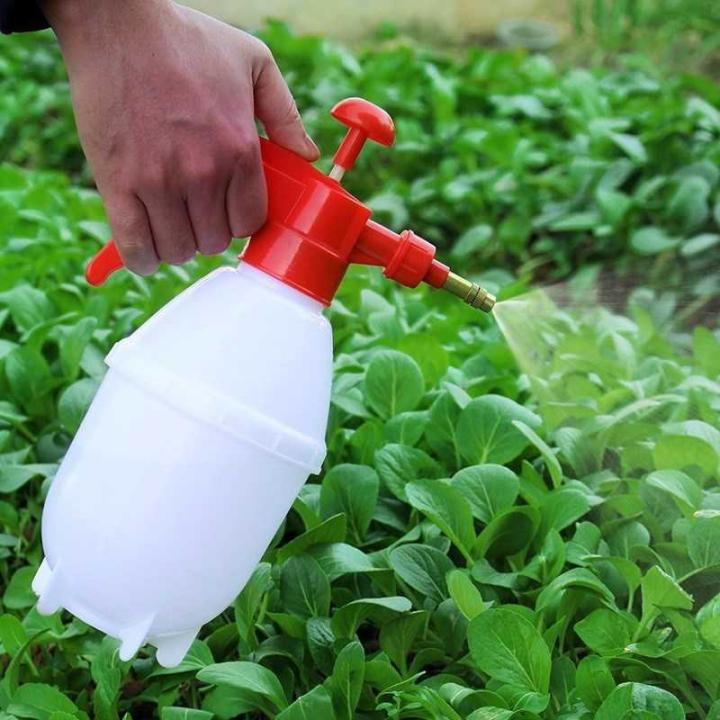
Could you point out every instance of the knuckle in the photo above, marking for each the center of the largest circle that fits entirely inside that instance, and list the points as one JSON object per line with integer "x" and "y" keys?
{"x": 202, "y": 173}
{"x": 153, "y": 180}
{"x": 262, "y": 51}
{"x": 247, "y": 155}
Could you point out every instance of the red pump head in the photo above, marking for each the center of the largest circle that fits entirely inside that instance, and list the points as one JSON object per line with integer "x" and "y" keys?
{"x": 315, "y": 228}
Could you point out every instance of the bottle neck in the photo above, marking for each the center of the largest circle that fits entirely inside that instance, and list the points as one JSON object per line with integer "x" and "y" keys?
{"x": 289, "y": 293}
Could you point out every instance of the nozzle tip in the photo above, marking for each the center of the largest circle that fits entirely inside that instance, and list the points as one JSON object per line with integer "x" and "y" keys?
{"x": 470, "y": 292}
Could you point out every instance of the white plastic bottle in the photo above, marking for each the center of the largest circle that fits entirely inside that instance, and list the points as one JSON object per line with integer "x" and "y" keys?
{"x": 210, "y": 419}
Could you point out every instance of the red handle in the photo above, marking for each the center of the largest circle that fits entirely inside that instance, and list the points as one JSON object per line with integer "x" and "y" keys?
{"x": 103, "y": 264}
{"x": 365, "y": 121}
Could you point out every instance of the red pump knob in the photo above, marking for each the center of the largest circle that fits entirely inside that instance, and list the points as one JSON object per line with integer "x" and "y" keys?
{"x": 365, "y": 121}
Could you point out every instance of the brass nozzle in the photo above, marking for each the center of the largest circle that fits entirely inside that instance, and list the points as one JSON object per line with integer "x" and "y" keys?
{"x": 470, "y": 292}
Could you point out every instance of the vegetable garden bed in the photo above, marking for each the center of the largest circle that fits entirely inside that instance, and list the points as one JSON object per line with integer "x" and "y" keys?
{"x": 485, "y": 542}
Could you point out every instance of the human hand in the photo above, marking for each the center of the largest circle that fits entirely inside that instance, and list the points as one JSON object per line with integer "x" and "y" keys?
{"x": 165, "y": 102}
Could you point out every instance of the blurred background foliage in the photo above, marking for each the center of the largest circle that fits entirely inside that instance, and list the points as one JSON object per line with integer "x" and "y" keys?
{"x": 505, "y": 158}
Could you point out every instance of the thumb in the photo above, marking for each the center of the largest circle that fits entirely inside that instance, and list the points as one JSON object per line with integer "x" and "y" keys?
{"x": 276, "y": 109}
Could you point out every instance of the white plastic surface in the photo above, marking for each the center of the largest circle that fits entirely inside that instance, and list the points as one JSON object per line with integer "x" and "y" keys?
{"x": 210, "y": 419}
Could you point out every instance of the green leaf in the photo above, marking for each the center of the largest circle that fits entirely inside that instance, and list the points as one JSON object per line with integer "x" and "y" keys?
{"x": 465, "y": 594}
{"x": 562, "y": 681}
{"x": 13, "y": 477}
{"x": 304, "y": 587}
{"x": 689, "y": 204}
{"x": 630, "y": 145}
{"x": 594, "y": 681}
{"x": 658, "y": 703}
{"x": 509, "y": 649}
{"x": 624, "y": 538}
{"x": 613, "y": 205}
{"x": 699, "y": 244}
{"x": 428, "y": 352}
{"x": 397, "y": 637}
{"x": 338, "y": 559}
{"x": 74, "y": 403}
{"x": 35, "y": 700}
{"x": 703, "y": 542}
{"x": 332, "y": 530}
{"x": 445, "y": 506}
{"x": 197, "y": 657}
{"x": 702, "y": 666}
{"x": 660, "y": 592}
{"x": 472, "y": 240}
{"x": 346, "y": 681}
{"x": 652, "y": 240}
{"x": 486, "y": 433}
{"x": 706, "y": 350}
{"x": 547, "y": 563}
{"x": 12, "y": 634}
{"x": 423, "y": 568}
{"x": 441, "y": 432}
{"x": 353, "y": 490}
{"x": 397, "y": 465}
{"x": 321, "y": 640}
{"x": 313, "y": 705}
{"x": 572, "y": 579}
{"x": 406, "y": 428}
{"x": 508, "y": 533}
{"x": 28, "y": 375}
{"x": 73, "y": 344}
{"x": 393, "y": 383}
{"x": 246, "y": 676}
{"x": 28, "y": 306}
{"x": 682, "y": 488}
{"x": 18, "y": 593}
{"x": 248, "y": 601}
{"x": 683, "y": 452}
{"x": 178, "y": 713}
{"x": 107, "y": 673}
{"x": 551, "y": 461}
{"x": 489, "y": 489}
{"x": 346, "y": 619}
{"x": 225, "y": 701}
{"x": 607, "y": 632}
{"x": 708, "y": 622}
{"x": 579, "y": 450}
{"x": 561, "y": 508}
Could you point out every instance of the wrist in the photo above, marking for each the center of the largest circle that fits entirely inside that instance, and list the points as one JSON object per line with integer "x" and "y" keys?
{"x": 81, "y": 21}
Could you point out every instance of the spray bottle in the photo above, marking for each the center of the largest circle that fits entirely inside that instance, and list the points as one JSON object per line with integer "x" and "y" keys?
{"x": 212, "y": 414}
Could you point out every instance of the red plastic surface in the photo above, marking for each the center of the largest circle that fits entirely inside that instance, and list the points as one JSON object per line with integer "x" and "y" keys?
{"x": 365, "y": 122}
{"x": 315, "y": 228}
{"x": 103, "y": 264}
